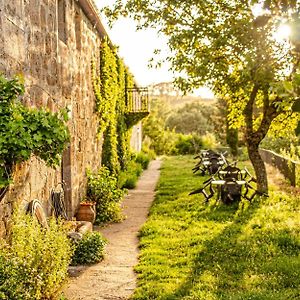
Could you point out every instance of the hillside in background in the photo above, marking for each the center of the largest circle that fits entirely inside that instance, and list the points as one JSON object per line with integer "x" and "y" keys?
{"x": 168, "y": 93}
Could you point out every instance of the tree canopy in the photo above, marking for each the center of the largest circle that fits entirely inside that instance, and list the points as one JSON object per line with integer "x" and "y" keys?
{"x": 233, "y": 47}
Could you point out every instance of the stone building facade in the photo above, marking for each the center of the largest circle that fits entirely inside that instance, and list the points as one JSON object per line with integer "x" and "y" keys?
{"x": 52, "y": 43}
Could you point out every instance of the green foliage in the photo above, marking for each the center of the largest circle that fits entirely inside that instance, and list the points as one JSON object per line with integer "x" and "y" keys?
{"x": 89, "y": 250}
{"x": 129, "y": 177}
{"x": 162, "y": 139}
{"x": 209, "y": 141}
{"x": 232, "y": 139}
{"x": 34, "y": 264}
{"x": 110, "y": 151}
{"x": 187, "y": 144}
{"x": 293, "y": 155}
{"x": 277, "y": 144}
{"x": 165, "y": 141}
{"x": 109, "y": 86}
{"x": 105, "y": 86}
{"x": 192, "y": 250}
{"x": 25, "y": 131}
{"x": 123, "y": 133}
{"x": 236, "y": 53}
{"x": 143, "y": 159}
{"x": 146, "y": 149}
{"x": 193, "y": 117}
{"x": 139, "y": 162}
{"x": 113, "y": 105}
{"x": 103, "y": 190}
{"x": 243, "y": 154}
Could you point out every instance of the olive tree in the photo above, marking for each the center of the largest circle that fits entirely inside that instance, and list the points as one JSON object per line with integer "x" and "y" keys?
{"x": 228, "y": 46}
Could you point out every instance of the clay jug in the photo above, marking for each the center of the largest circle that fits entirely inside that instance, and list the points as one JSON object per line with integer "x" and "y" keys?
{"x": 86, "y": 212}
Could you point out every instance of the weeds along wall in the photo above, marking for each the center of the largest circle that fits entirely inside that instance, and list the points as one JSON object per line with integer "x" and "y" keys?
{"x": 110, "y": 84}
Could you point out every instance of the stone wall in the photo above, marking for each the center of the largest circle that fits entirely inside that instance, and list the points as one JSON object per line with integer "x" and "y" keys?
{"x": 53, "y": 51}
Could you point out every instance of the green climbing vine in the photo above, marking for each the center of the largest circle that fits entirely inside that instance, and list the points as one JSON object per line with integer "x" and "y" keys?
{"x": 122, "y": 130}
{"x": 111, "y": 105}
{"x": 25, "y": 131}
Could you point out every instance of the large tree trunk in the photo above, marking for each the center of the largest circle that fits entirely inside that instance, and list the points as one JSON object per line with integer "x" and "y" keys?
{"x": 254, "y": 137}
{"x": 259, "y": 168}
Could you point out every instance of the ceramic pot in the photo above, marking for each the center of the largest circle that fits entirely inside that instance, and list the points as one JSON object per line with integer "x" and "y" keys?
{"x": 86, "y": 212}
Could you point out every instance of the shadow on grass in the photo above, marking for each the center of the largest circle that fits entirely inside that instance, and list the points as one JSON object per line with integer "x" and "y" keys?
{"x": 231, "y": 267}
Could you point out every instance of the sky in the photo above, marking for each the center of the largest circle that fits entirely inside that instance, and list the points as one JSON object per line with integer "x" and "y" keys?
{"x": 136, "y": 48}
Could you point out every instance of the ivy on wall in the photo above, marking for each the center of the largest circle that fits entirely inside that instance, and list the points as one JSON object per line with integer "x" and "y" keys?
{"x": 122, "y": 130}
{"x": 25, "y": 131}
{"x": 112, "y": 107}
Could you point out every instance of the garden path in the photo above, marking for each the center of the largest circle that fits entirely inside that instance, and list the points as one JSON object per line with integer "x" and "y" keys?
{"x": 114, "y": 277}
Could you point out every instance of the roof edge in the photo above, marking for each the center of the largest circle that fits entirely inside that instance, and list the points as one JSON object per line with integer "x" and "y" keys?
{"x": 92, "y": 13}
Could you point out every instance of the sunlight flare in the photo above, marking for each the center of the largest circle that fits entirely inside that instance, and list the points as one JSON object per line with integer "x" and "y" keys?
{"x": 283, "y": 32}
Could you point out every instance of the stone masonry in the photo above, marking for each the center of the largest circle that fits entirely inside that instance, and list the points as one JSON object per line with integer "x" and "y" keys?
{"x": 52, "y": 43}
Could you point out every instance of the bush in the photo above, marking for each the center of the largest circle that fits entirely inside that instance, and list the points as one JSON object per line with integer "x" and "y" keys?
{"x": 243, "y": 154}
{"x": 129, "y": 177}
{"x": 89, "y": 250}
{"x": 209, "y": 141}
{"x": 140, "y": 161}
{"x": 143, "y": 159}
{"x": 34, "y": 264}
{"x": 146, "y": 148}
{"x": 104, "y": 191}
{"x": 187, "y": 144}
{"x": 279, "y": 144}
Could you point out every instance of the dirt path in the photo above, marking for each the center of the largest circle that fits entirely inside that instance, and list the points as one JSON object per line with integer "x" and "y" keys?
{"x": 114, "y": 278}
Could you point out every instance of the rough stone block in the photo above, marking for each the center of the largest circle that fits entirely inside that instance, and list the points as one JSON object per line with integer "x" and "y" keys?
{"x": 2, "y": 229}
{"x": 51, "y": 22}
{"x": 14, "y": 46}
{"x": 48, "y": 44}
{"x": 43, "y": 17}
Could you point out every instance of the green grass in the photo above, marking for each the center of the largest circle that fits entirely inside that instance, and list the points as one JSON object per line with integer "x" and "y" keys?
{"x": 191, "y": 250}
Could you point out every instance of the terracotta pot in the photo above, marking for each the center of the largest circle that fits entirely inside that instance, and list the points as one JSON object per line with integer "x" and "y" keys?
{"x": 86, "y": 212}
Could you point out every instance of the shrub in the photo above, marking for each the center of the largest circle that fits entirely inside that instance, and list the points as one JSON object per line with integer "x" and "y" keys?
{"x": 187, "y": 144}
{"x": 129, "y": 177}
{"x": 130, "y": 182}
{"x": 104, "y": 191}
{"x": 146, "y": 148}
{"x": 209, "y": 141}
{"x": 143, "y": 159}
{"x": 243, "y": 154}
{"x": 279, "y": 144}
{"x": 34, "y": 264}
{"x": 89, "y": 250}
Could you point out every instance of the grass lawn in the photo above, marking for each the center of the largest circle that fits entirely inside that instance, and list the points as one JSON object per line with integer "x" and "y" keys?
{"x": 192, "y": 250}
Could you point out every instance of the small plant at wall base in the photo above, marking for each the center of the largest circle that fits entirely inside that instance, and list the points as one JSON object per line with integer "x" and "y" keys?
{"x": 25, "y": 131}
{"x": 104, "y": 191}
{"x": 33, "y": 265}
{"x": 89, "y": 250}
{"x": 128, "y": 178}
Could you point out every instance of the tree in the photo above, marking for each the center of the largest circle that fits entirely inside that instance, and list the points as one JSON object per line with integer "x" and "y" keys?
{"x": 225, "y": 45}
{"x": 194, "y": 117}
